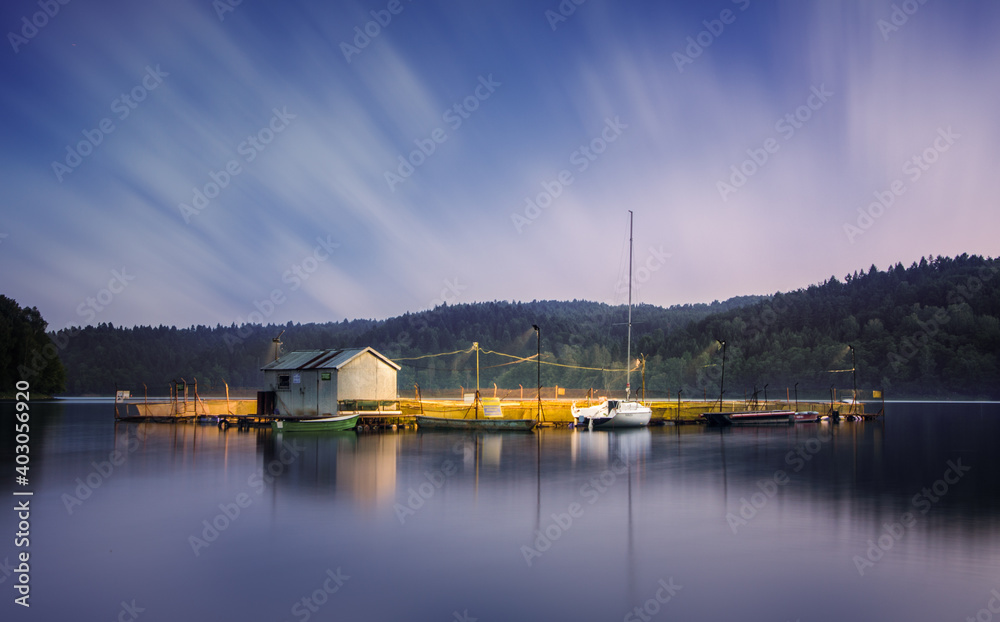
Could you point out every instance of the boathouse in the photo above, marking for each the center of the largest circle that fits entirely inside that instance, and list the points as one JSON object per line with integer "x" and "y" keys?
{"x": 321, "y": 383}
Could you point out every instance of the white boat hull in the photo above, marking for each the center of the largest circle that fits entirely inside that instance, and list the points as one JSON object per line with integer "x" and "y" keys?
{"x": 616, "y": 414}
{"x": 629, "y": 415}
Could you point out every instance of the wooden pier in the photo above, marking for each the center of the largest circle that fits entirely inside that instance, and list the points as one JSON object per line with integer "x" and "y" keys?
{"x": 242, "y": 413}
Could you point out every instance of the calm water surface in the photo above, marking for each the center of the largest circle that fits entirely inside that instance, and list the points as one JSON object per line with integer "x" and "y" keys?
{"x": 893, "y": 520}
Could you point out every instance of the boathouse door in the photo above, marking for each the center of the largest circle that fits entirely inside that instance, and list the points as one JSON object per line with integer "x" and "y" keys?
{"x": 326, "y": 393}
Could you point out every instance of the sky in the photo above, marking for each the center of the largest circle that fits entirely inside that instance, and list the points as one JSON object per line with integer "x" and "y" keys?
{"x": 210, "y": 162}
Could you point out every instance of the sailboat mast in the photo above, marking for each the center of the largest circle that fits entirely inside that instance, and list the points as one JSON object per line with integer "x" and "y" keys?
{"x": 628, "y": 349}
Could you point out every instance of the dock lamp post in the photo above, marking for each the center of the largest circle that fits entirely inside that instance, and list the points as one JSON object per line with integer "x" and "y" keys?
{"x": 722, "y": 380}
{"x": 796, "y": 397}
{"x": 538, "y": 361}
{"x": 854, "y": 372}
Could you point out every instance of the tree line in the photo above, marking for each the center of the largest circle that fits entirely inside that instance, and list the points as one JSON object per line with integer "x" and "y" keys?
{"x": 929, "y": 330}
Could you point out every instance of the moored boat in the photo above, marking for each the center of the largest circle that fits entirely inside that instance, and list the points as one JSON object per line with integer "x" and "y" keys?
{"x": 453, "y": 423}
{"x": 750, "y": 417}
{"x": 806, "y": 416}
{"x": 613, "y": 414}
{"x": 322, "y": 424}
{"x": 618, "y": 413}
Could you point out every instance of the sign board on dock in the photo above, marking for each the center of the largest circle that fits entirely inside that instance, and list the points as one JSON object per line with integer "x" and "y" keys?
{"x": 491, "y": 407}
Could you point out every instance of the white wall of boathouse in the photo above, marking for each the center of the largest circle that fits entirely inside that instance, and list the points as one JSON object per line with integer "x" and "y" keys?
{"x": 361, "y": 374}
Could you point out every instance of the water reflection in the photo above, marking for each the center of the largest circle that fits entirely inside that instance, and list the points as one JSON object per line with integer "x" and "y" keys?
{"x": 444, "y": 517}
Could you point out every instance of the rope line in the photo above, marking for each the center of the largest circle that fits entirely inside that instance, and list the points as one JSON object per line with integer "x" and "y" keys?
{"x": 517, "y": 359}
{"x": 414, "y": 358}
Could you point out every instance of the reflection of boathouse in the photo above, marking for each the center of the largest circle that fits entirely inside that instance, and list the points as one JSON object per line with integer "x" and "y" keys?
{"x": 317, "y": 383}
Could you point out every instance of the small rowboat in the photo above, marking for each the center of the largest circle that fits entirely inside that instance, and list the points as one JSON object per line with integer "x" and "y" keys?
{"x": 324, "y": 424}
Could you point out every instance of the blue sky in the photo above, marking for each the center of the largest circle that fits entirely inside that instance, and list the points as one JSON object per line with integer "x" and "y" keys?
{"x": 465, "y": 151}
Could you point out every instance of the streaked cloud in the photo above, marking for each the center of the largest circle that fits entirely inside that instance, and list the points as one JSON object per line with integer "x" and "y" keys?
{"x": 324, "y": 174}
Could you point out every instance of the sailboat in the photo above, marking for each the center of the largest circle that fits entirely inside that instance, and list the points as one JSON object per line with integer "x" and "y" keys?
{"x": 625, "y": 413}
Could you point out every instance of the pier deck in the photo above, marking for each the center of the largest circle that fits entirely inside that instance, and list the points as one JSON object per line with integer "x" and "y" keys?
{"x": 243, "y": 412}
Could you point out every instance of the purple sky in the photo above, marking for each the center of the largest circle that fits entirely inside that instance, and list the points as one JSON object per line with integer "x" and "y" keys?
{"x": 117, "y": 115}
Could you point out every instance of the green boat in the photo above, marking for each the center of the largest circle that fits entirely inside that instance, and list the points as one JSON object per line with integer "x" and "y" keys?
{"x": 324, "y": 424}
{"x": 449, "y": 423}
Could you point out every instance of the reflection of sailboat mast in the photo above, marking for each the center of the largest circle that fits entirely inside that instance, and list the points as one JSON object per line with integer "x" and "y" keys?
{"x": 725, "y": 479}
{"x": 631, "y": 538}
{"x": 538, "y": 479}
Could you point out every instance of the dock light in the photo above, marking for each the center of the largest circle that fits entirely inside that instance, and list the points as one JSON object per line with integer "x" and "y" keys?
{"x": 854, "y": 372}
{"x": 722, "y": 380}
{"x": 538, "y": 361}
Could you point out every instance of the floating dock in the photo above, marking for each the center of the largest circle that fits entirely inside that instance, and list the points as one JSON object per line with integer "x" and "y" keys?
{"x": 242, "y": 412}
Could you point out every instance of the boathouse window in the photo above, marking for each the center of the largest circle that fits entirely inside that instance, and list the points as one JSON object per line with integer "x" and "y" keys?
{"x": 283, "y": 382}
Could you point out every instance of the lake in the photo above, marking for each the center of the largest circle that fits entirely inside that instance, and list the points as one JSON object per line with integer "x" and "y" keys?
{"x": 894, "y": 519}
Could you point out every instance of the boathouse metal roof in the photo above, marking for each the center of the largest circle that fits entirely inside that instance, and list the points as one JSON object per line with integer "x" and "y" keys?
{"x": 321, "y": 359}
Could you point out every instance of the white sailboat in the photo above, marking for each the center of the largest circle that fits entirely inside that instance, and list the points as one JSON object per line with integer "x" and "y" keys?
{"x": 625, "y": 413}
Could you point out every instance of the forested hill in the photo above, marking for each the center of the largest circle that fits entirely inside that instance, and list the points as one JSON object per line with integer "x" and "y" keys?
{"x": 932, "y": 329}
{"x": 578, "y": 332}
